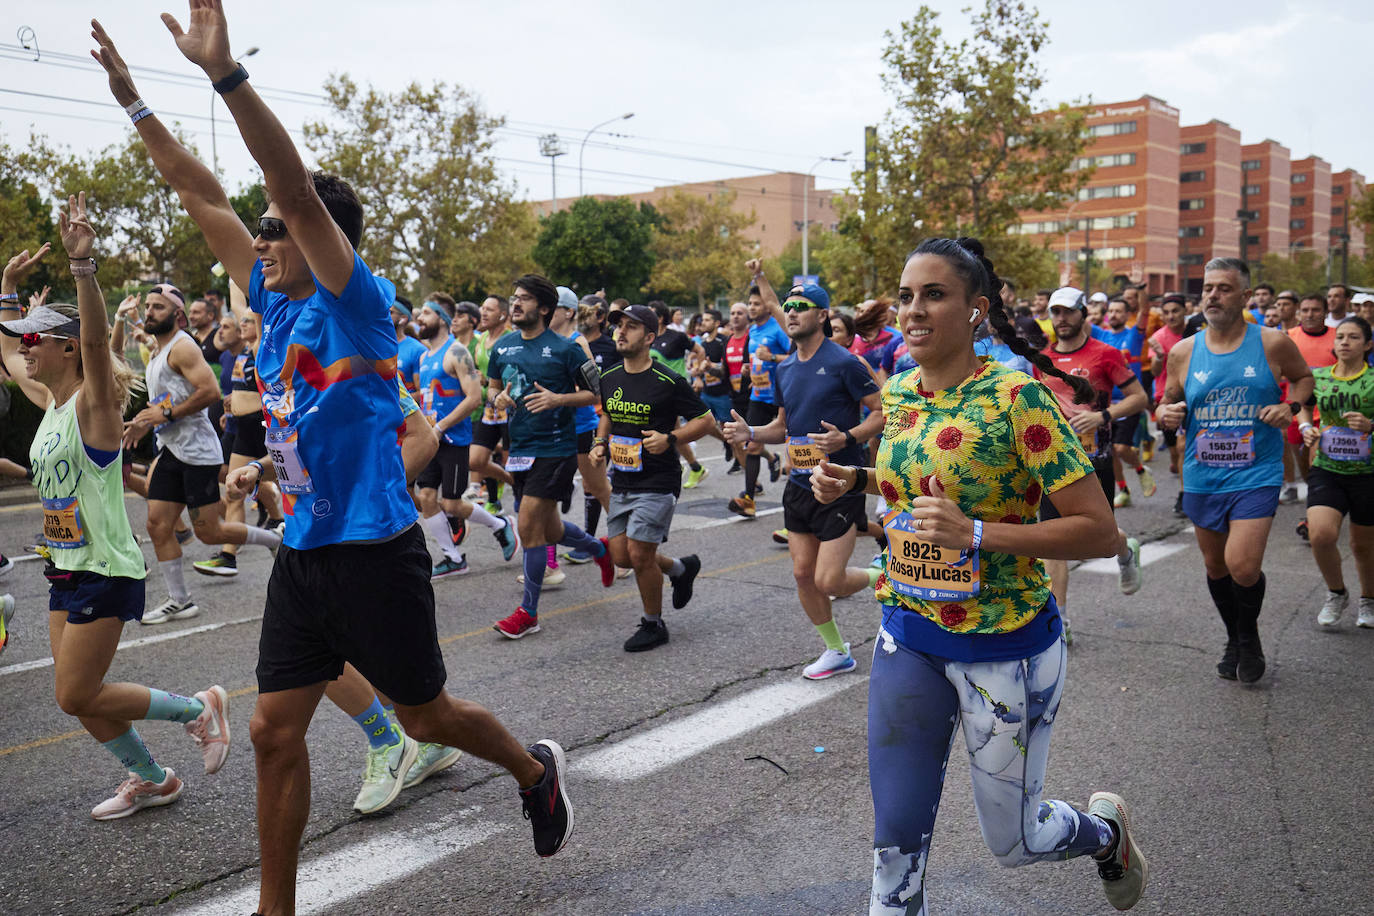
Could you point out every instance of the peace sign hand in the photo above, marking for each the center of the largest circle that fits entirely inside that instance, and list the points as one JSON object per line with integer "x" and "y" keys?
{"x": 77, "y": 235}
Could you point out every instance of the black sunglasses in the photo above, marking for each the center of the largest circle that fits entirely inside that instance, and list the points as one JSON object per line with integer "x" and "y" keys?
{"x": 271, "y": 229}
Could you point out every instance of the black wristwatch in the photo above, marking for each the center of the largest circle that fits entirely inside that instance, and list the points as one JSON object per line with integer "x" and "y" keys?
{"x": 1295, "y": 407}
{"x": 167, "y": 412}
{"x": 672, "y": 440}
{"x": 849, "y": 439}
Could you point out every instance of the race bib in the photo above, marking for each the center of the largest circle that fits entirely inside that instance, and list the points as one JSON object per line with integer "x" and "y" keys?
{"x": 627, "y": 453}
{"x": 62, "y": 523}
{"x": 1341, "y": 443}
{"x": 735, "y": 382}
{"x": 517, "y": 463}
{"x": 161, "y": 401}
{"x": 920, "y": 569}
{"x": 292, "y": 476}
{"x": 239, "y": 362}
{"x": 1225, "y": 448}
{"x": 759, "y": 377}
{"x": 493, "y": 417}
{"x": 803, "y": 453}
{"x": 427, "y": 402}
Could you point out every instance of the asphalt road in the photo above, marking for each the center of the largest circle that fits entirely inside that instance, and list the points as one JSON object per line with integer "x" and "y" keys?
{"x": 707, "y": 776}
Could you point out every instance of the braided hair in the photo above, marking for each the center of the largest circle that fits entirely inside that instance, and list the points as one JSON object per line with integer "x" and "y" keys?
{"x": 966, "y": 256}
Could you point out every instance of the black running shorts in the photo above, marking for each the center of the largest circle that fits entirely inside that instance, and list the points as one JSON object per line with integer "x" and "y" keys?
{"x": 250, "y": 436}
{"x": 367, "y": 604}
{"x": 1349, "y": 494}
{"x": 802, "y": 513}
{"x": 446, "y": 472}
{"x": 192, "y": 485}
{"x": 547, "y": 478}
{"x": 489, "y": 435}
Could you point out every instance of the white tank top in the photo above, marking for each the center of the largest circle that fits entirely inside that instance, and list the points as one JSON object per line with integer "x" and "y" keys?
{"x": 191, "y": 439}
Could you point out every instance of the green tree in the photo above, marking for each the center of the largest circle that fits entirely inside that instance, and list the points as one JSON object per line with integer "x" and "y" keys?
{"x": 963, "y": 150}
{"x": 699, "y": 248}
{"x": 789, "y": 260}
{"x": 598, "y": 244}
{"x": 26, "y": 214}
{"x": 438, "y": 214}
{"x": 1304, "y": 272}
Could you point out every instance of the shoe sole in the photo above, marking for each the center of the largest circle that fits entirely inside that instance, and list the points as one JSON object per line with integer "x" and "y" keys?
{"x": 223, "y": 696}
{"x": 521, "y": 635}
{"x": 443, "y": 763}
{"x": 187, "y": 614}
{"x": 647, "y": 647}
{"x": 1119, "y": 808}
{"x": 560, "y": 762}
{"x": 408, "y": 755}
{"x": 449, "y": 574}
{"x": 831, "y": 673}
{"x": 148, "y": 801}
{"x": 222, "y": 571}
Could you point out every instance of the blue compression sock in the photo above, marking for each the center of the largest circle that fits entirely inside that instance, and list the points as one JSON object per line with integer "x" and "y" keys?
{"x": 133, "y": 756}
{"x": 171, "y": 707}
{"x": 535, "y": 559}
{"x": 377, "y": 726}
{"x": 578, "y": 539}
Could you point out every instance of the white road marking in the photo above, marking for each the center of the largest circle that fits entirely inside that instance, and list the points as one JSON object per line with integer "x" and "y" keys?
{"x": 359, "y": 868}
{"x": 1149, "y": 553}
{"x": 132, "y": 643}
{"x": 717, "y": 522}
{"x": 675, "y": 741}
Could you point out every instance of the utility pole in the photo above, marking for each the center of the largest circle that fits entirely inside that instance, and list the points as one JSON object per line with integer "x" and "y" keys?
{"x": 1345, "y": 236}
{"x": 550, "y": 145}
{"x": 1088, "y": 257}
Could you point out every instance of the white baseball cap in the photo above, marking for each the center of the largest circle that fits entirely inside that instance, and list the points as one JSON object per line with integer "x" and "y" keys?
{"x": 1068, "y": 297}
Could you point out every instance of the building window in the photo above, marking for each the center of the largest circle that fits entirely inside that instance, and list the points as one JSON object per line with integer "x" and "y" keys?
{"x": 1251, "y": 189}
{"x": 1297, "y": 201}
{"x": 1111, "y": 130}
{"x": 1252, "y": 240}
{"x": 1192, "y": 149}
{"x": 1193, "y": 203}
{"x": 1252, "y": 165}
{"x": 1337, "y": 211}
{"x": 1299, "y": 179}
{"x": 1297, "y": 224}
{"x": 1104, "y": 162}
{"x": 1199, "y": 175}
{"x": 1117, "y": 253}
{"x": 1111, "y": 190}
{"x": 1042, "y": 227}
{"x": 1299, "y": 244}
{"x": 1338, "y": 189}
{"x": 1191, "y": 260}
{"x": 1191, "y": 232}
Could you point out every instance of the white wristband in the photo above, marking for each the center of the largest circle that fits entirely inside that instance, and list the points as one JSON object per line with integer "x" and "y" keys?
{"x": 135, "y": 106}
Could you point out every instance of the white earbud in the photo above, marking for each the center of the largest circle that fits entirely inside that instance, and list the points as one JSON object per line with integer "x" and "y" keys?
{"x": 975, "y": 317}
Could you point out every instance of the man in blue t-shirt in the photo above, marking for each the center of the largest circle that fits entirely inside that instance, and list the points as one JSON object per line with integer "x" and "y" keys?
{"x": 768, "y": 346}
{"x": 541, "y": 378}
{"x": 409, "y": 350}
{"x": 327, "y": 373}
{"x": 821, "y": 389}
{"x": 1130, "y": 340}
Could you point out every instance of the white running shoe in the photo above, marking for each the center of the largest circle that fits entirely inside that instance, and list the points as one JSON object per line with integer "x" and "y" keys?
{"x": 135, "y": 793}
{"x": 431, "y": 759}
{"x": 1130, "y": 570}
{"x": 1333, "y": 608}
{"x": 169, "y": 610}
{"x": 829, "y": 664}
{"x": 1366, "y": 618}
{"x": 552, "y": 578}
{"x": 210, "y": 730}
{"x": 384, "y": 774}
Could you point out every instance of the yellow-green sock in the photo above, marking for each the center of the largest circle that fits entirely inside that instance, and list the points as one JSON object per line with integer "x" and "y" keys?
{"x": 831, "y": 635}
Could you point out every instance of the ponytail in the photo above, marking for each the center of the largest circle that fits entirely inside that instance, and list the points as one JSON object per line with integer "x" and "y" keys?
{"x": 980, "y": 279}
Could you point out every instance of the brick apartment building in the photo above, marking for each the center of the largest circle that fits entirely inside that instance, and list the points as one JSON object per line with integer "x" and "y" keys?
{"x": 1309, "y": 207}
{"x": 1209, "y": 194}
{"x": 1266, "y": 172}
{"x": 1345, "y": 186}
{"x": 776, "y": 200}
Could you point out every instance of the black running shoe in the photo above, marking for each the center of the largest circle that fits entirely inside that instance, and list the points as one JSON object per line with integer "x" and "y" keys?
{"x": 1226, "y": 668}
{"x": 682, "y": 585}
{"x": 774, "y": 469}
{"x": 1249, "y": 659}
{"x": 545, "y": 803}
{"x": 734, "y": 468}
{"x": 651, "y": 634}
{"x": 1178, "y": 507}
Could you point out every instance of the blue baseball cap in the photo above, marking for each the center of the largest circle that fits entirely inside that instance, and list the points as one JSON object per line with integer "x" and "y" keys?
{"x": 812, "y": 292}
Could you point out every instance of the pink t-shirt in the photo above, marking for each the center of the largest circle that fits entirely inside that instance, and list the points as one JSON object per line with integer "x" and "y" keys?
{"x": 1167, "y": 338}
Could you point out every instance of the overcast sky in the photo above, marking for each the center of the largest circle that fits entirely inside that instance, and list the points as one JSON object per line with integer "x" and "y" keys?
{"x": 718, "y": 89}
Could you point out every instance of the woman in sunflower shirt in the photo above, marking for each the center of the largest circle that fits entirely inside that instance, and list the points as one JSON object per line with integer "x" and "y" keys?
{"x": 970, "y": 629}
{"x": 1341, "y": 480}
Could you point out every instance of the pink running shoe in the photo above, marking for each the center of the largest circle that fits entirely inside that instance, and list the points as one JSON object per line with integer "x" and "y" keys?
{"x": 518, "y": 624}
{"x": 210, "y": 730}
{"x": 135, "y": 794}
{"x": 604, "y": 562}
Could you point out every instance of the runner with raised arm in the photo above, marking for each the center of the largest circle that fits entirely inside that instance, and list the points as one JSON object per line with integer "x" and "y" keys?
{"x": 327, "y": 368}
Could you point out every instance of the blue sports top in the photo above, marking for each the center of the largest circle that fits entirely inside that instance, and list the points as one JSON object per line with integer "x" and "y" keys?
{"x": 552, "y": 361}
{"x": 764, "y": 374}
{"x": 584, "y": 418}
{"x": 327, "y": 373}
{"x": 1228, "y": 447}
{"x": 409, "y": 351}
{"x": 439, "y": 393}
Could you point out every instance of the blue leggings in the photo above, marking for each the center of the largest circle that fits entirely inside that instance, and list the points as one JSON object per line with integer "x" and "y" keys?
{"x": 1007, "y": 710}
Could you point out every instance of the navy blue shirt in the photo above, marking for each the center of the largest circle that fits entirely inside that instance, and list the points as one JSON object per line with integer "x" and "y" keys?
{"x": 829, "y": 386}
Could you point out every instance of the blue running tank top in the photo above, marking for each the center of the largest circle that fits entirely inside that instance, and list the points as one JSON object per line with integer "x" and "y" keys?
{"x": 1228, "y": 448}
{"x": 440, "y": 394}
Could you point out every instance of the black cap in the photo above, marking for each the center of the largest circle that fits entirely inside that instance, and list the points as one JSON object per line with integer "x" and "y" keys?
{"x": 641, "y": 313}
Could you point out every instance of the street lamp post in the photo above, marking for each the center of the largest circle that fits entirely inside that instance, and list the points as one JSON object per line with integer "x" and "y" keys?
{"x": 550, "y": 145}
{"x": 214, "y": 140}
{"x": 806, "y": 215}
{"x": 583, "y": 148}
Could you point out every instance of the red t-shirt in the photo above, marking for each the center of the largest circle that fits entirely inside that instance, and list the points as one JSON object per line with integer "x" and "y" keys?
{"x": 736, "y": 355}
{"x": 1167, "y": 338}
{"x": 1102, "y": 365}
{"x": 1315, "y": 348}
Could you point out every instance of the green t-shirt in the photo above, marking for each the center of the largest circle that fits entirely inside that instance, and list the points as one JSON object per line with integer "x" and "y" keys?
{"x": 84, "y": 521}
{"x": 1342, "y": 450}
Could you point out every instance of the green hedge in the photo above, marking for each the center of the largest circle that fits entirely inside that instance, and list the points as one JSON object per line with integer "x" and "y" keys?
{"x": 20, "y": 423}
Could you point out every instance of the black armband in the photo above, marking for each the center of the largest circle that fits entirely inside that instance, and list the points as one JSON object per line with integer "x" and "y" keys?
{"x": 590, "y": 377}
{"x": 232, "y": 81}
{"x": 849, "y": 438}
{"x": 860, "y": 480}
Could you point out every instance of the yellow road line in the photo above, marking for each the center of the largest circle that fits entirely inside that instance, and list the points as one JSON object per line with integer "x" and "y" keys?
{"x": 447, "y": 640}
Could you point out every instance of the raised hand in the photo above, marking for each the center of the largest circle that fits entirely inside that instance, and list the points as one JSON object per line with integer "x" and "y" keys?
{"x": 37, "y": 299}
{"x": 77, "y": 235}
{"x": 121, "y": 83}
{"x": 206, "y": 42}
{"x": 20, "y": 267}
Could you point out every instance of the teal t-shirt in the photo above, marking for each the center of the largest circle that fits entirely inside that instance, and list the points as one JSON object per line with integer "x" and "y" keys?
{"x": 551, "y": 361}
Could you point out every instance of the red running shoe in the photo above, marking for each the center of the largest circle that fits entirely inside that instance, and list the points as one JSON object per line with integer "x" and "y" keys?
{"x": 521, "y": 623}
{"x": 604, "y": 562}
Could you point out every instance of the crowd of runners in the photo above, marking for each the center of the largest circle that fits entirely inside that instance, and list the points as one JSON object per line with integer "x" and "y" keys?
{"x": 997, "y": 436}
